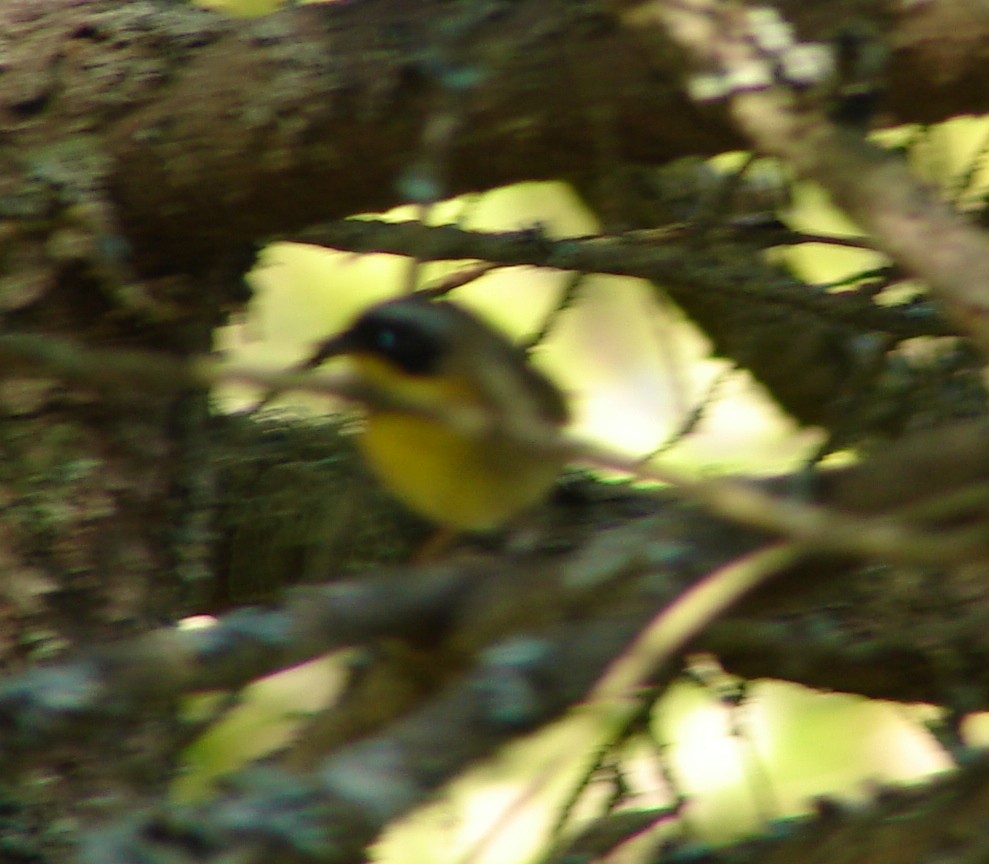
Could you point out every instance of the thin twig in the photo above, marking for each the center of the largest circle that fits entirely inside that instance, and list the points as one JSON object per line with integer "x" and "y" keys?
{"x": 885, "y": 537}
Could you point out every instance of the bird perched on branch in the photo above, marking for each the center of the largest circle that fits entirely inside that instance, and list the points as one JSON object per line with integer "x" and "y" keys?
{"x": 428, "y": 360}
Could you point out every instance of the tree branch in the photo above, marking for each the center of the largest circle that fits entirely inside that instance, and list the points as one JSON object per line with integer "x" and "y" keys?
{"x": 230, "y": 130}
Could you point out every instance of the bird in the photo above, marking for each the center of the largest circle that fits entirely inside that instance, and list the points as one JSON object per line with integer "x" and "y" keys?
{"x": 427, "y": 358}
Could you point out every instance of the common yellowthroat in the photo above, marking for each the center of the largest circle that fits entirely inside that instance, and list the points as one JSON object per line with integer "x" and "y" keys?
{"x": 438, "y": 356}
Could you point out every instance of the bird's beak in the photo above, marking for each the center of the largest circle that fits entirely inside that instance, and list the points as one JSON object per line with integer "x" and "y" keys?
{"x": 335, "y": 346}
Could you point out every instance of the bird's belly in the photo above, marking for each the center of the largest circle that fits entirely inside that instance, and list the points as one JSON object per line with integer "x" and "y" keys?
{"x": 465, "y": 482}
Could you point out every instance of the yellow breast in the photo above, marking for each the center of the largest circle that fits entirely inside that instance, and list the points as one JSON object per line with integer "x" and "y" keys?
{"x": 471, "y": 483}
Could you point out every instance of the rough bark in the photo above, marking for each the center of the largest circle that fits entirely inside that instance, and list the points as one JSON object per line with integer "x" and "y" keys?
{"x": 213, "y": 133}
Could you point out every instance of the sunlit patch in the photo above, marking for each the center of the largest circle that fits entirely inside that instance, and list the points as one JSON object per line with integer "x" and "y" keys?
{"x": 197, "y": 622}
{"x": 267, "y": 715}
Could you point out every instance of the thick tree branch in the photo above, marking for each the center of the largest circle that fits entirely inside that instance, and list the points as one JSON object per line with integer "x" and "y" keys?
{"x": 227, "y": 130}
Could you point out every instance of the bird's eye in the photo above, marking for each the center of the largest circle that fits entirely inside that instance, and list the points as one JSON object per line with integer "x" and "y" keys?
{"x": 412, "y": 350}
{"x": 387, "y": 340}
